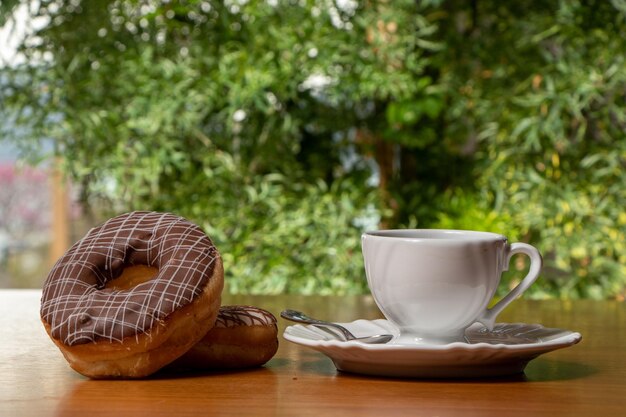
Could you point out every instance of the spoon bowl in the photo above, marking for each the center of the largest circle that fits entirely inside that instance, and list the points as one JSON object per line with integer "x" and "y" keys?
{"x": 299, "y": 317}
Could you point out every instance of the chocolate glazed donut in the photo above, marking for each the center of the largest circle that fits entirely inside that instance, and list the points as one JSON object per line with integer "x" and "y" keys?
{"x": 107, "y": 326}
{"x": 243, "y": 336}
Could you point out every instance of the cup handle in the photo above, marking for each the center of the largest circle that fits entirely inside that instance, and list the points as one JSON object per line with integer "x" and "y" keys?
{"x": 489, "y": 316}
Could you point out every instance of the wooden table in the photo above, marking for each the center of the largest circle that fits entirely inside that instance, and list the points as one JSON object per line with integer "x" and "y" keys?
{"x": 586, "y": 379}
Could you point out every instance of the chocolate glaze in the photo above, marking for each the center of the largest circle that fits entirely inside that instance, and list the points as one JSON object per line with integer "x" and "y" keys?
{"x": 231, "y": 316}
{"x": 80, "y": 310}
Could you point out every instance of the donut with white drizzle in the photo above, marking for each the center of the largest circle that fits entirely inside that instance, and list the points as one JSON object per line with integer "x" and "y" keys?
{"x": 243, "y": 336}
{"x": 133, "y": 295}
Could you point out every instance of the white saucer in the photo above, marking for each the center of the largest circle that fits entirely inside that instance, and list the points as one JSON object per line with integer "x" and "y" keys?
{"x": 504, "y": 351}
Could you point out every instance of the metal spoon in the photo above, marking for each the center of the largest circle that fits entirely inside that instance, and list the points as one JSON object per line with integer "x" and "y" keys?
{"x": 300, "y": 317}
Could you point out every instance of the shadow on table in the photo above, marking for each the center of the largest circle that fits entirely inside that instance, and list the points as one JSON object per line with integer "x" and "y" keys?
{"x": 553, "y": 370}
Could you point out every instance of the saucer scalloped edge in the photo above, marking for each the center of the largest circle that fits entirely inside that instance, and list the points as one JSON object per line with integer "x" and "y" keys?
{"x": 505, "y": 350}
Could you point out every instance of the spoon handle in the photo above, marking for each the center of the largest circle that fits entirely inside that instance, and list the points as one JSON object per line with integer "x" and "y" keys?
{"x": 300, "y": 317}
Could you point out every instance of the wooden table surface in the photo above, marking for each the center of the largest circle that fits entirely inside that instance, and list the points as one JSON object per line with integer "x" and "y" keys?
{"x": 588, "y": 379}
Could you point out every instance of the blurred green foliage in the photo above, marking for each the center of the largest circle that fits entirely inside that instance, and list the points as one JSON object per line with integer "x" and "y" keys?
{"x": 286, "y": 128}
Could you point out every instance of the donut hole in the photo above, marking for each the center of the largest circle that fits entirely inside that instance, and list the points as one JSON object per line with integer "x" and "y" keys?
{"x": 132, "y": 275}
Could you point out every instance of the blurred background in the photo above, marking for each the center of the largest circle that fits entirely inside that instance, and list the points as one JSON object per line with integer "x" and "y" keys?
{"x": 286, "y": 128}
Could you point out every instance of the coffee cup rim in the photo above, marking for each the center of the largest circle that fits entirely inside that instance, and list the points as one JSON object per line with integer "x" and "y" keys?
{"x": 432, "y": 235}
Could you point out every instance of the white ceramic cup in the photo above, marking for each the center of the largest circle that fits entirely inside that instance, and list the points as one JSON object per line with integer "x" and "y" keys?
{"x": 433, "y": 284}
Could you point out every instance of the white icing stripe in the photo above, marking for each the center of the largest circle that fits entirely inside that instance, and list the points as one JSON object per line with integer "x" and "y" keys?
{"x": 232, "y": 316}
